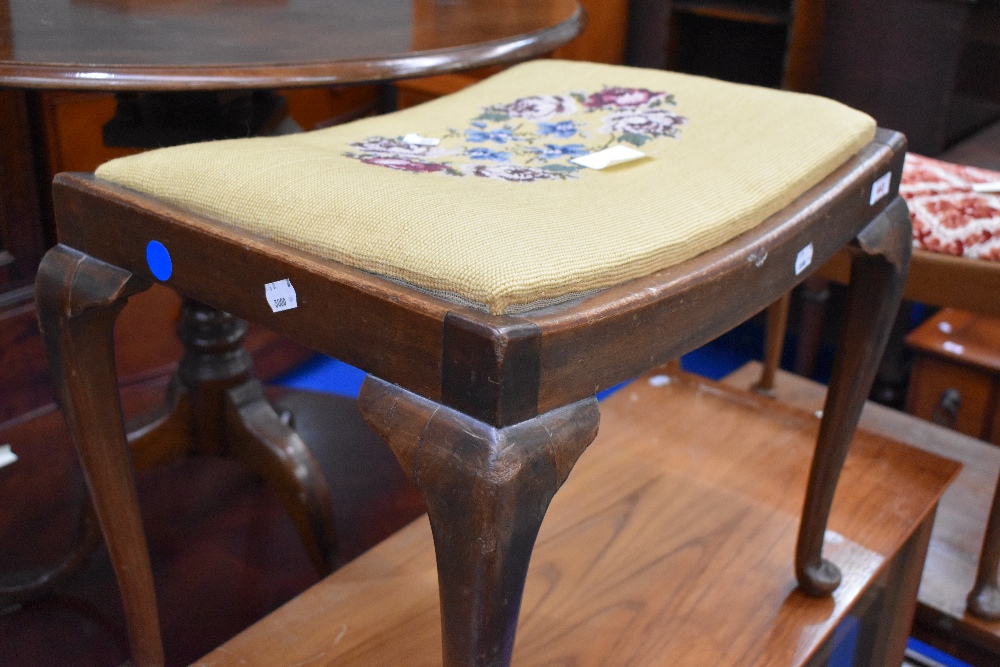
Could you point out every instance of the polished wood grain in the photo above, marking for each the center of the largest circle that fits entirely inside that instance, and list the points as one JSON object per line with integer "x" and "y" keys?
{"x": 951, "y": 566}
{"x": 666, "y": 546}
{"x": 940, "y": 280}
{"x": 657, "y": 327}
{"x": 178, "y": 45}
{"x": 878, "y": 272}
{"x": 78, "y": 299}
{"x": 486, "y": 491}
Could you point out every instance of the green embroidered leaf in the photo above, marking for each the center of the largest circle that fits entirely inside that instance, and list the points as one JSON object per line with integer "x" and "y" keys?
{"x": 633, "y": 138}
{"x": 579, "y": 97}
{"x": 494, "y": 116}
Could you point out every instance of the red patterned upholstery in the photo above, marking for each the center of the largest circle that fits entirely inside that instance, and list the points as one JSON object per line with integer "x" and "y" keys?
{"x": 948, "y": 216}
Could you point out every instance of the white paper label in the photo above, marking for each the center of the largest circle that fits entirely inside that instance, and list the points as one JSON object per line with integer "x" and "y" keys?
{"x": 416, "y": 140}
{"x": 880, "y": 188}
{"x": 608, "y": 157}
{"x": 6, "y": 456}
{"x": 954, "y": 348}
{"x": 987, "y": 188}
{"x": 659, "y": 380}
{"x": 804, "y": 259}
{"x": 280, "y": 295}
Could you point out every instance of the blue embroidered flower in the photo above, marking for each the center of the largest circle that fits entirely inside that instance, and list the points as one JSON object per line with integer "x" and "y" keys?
{"x": 479, "y": 153}
{"x": 563, "y": 129}
{"x": 554, "y": 152}
{"x": 500, "y": 136}
{"x": 521, "y": 130}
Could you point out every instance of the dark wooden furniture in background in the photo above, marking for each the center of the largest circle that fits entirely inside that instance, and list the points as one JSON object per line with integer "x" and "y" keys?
{"x": 955, "y": 381}
{"x": 657, "y": 555}
{"x": 761, "y": 42}
{"x": 925, "y": 67}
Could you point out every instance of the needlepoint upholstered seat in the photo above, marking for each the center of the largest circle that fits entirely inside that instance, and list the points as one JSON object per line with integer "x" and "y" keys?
{"x": 489, "y": 283}
{"x": 497, "y": 213}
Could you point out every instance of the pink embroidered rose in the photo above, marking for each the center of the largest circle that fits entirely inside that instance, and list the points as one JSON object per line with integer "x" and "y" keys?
{"x": 404, "y": 164}
{"x": 540, "y": 107}
{"x": 621, "y": 98}
{"x": 508, "y": 172}
{"x": 651, "y": 122}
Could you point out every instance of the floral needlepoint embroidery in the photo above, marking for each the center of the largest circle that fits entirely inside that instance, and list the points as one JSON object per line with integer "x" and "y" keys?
{"x": 533, "y": 138}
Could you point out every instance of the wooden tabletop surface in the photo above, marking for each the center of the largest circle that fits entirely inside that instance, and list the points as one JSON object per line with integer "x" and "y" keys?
{"x": 232, "y": 44}
{"x": 950, "y": 569}
{"x": 670, "y": 544}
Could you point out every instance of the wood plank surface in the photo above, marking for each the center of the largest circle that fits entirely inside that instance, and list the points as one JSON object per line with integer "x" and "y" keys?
{"x": 950, "y": 569}
{"x": 670, "y": 544}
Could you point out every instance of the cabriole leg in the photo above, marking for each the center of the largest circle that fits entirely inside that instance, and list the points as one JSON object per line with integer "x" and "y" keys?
{"x": 487, "y": 490}
{"x": 878, "y": 272}
{"x": 78, "y": 299}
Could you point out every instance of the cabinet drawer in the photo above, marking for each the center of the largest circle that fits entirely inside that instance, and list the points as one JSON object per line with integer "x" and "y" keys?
{"x": 973, "y": 396}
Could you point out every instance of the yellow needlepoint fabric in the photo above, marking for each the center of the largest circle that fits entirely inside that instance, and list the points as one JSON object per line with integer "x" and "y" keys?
{"x": 476, "y": 194}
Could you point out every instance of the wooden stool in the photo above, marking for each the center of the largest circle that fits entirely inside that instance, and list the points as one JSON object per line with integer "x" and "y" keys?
{"x": 488, "y": 284}
{"x": 666, "y": 546}
{"x": 952, "y": 266}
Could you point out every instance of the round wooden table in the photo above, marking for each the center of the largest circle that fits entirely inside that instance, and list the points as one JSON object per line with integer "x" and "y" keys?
{"x": 186, "y": 46}
{"x": 144, "y": 45}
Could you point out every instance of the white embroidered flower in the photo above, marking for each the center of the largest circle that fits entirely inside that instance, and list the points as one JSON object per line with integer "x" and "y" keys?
{"x": 389, "y": 147}
{"x": 651, "y": 122}
{"x": 540, "y": 107}
{"x": 508, "y": 172}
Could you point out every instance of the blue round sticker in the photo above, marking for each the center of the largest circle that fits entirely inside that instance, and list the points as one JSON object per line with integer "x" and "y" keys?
{"x": 158, "y": 259}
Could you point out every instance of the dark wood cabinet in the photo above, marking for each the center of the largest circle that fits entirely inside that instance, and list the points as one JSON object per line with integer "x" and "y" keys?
{"x": 761, "y": 42}
{"x": 924, "y": 67}
{"x": 955, "y": 380}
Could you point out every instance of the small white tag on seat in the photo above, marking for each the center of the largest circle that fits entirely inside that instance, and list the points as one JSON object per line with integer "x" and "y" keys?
{"x": 280, "y": 295}
{"x": 804, "y": 259}
{"x": 415, "y": 139}
{"x": 880, "y": 188}
{"x": 608, "y": 157}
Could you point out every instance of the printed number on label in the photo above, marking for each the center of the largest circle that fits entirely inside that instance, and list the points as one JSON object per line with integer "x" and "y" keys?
{"x": 280, "y": 295}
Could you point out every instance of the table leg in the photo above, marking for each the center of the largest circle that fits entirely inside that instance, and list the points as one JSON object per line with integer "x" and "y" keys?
{"x": 215, "y": 407}
{"x": 884, "y": 645}
{"x": 984, "y": 598}
{"x": 878, "y": 272}
{"x": 777, "y": 325}
{"x": 487, "y": 490}
{"x": 78, "y": 299}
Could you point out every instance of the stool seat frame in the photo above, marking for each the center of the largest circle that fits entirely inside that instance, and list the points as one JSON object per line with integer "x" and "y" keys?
{"x": 488, "y": 414}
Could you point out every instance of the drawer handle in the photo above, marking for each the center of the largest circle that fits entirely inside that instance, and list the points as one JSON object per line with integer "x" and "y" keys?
{"x": 946, "y": 412}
